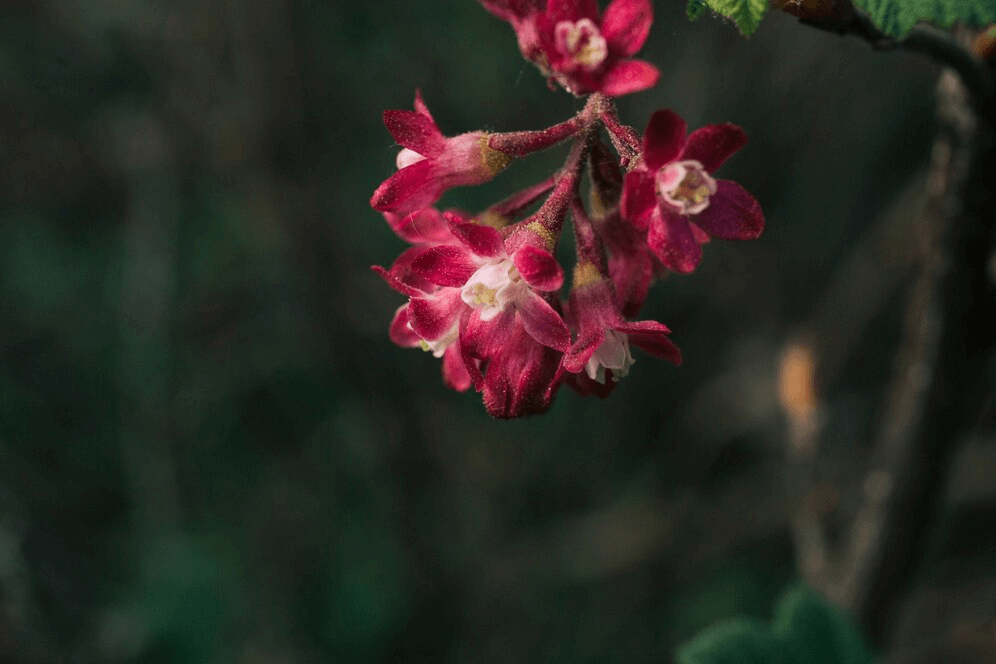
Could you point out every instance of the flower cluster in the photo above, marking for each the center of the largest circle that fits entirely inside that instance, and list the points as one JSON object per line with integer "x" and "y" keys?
{"x": 485, "y": 290}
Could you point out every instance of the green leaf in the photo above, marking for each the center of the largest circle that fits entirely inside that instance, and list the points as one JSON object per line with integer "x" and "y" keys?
{"x": 896, "y": 17}
{"x": 695, "y": 9}
{"x": 818, "y": 632}
{"x": 736, "y": 641}
{"x": 746, "y": 14}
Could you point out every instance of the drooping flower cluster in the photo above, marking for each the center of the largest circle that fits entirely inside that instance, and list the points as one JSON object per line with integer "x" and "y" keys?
{"x": 485, "y": 290}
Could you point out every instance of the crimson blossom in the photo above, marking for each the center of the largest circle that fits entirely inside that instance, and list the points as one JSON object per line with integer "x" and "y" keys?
{"x": 484, "y": 291}
{"x": 579, "y": 49}
{"x": 673, "y": 195}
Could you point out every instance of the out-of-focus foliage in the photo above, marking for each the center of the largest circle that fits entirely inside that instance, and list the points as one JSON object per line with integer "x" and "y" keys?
{"x": 747, "y": 14}
{"x": 806, "y": 630}
{"x": 897, "y": 17}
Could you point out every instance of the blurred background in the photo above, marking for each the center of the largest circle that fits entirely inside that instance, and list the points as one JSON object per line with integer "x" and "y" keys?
{"x": 211, "y": 452}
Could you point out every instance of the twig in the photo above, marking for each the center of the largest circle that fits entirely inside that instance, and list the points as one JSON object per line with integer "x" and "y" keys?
{"x": 922, "y": 39}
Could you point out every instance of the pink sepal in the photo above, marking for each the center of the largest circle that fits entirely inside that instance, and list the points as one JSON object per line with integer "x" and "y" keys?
{"x": 651, "y": 337}
{"x": 713, "y": 144}
{"x": 539, "y": 268}
{"x": 671, "y": 239}
{"x": 571, "y": 10}
{"x": 411, "y": 188}
{"x": 483, "y": 241}
{"x": 733, "y": 213}
{"x": 445, "y": 265}
{"x": 639, "y": 198}
{"x": 664, "y": 139}
{"x": 425, "y": 226}
{"x": 582, "y": 349}
{"x": 432, "y": 316}
{"x": 629, "y": 76}
{"x": 400, "y": 332}
{"x": 543, "y": 323}
{"x": 484, "y": 338}
{"x": 396, "y": 283}
{"x": 626, "y": 25}
{"x": 415, "y": 131}
{"x": 455, "y": 373}
{"x": 521, "y": 379}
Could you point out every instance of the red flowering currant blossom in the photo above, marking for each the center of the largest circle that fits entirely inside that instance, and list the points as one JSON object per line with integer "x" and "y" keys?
{"x": 438, "y": 333}
{"x": 498, "y": 280}
{"x": 581, "y": 50}
{"x": 673, "y": 195}
{"x": 430, "y": 163}
{"x": 522, "y": 377}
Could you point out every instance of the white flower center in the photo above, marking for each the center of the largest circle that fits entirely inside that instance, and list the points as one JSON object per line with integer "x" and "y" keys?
{"x": 438, "y": 346}
{"x": 407, "y": 157}
{"x": 494, "y": 288}
{"x": 613, "y": 354}
{"x": 686, "y": 186}
{"x": 582, "y": 43}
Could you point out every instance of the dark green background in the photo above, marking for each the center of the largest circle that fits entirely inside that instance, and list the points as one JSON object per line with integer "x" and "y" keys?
{"x": 211, "y": 452}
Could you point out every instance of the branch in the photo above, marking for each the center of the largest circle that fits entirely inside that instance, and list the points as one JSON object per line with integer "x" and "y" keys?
{"x": 930, "y": 41}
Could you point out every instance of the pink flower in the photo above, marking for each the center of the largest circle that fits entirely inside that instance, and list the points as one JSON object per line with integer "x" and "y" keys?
{"x": 581, "y": 50}
{"x": 521, "y": 377}
{"x": 673, "y": 196}
{"x": 602, "y": 348}
{"x": 498, "y": 284}
{"x": 431, "y": 163}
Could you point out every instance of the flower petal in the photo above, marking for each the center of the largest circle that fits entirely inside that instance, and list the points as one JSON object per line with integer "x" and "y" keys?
{"x": 629, "y": 76}
{"x": 714, "y": 144}
{"x": 571, "y": 10}
{"x": 411, "y": 188}
{"x": 425, "y": 226}
{"x": 396, "y": 283}
{"x": 582, "y": 350}
{"x": 483, "y": 339}
{"x": 626, "y": 24}
{"x": 733, "y": 214}
{"x": 415, "y": 132}
{"x": 400, "y": 332}
{"x": 455, "y": 373}
{"x": 432, "y": 316}
{"x": 639, "y": 199}
{"x": 539, "y": 268}
{"x": 445, "y": 265}
{"x": 656, "y": 343}
{"x": 483, "y": 241}
{"x": 670, "y": 237}
{"x": 664, "y": 138}
{"x": 543, "y": 323}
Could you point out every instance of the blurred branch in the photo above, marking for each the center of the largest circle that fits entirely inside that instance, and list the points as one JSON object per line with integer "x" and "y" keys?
{"x": 930, "y": 41}
{"x": 935, "y": 392}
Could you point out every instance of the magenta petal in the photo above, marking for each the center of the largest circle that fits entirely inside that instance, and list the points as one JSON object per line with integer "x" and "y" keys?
{"x": 626, "y": 24}
{"x": 400, "y": 332}
{"x": 571, "y": 10}
{"x": 543, "y": 323}
{"x": 670, "y": 237}
{"x": 420, "y": 106}
{"x": 700, "y": 235}
{"x": 432, "y": 316}
{"x": 415, "y": 132}
{"x": 484, "y": 241}
{"x": 714, "y": 144}
{"x": 539, "y": 268}
{"x": 425, "y": 226}
{"x": 639, "y": 199}
{"x": 484, "y": 339}
{"x": 664, "y": 138}
{"x": 629, "y": 76}
{"x": 582, "y": 350}
{"x": 445, "y": 266}
{"x": 641, "y": 327}
{"x": 411, "y": 188}
{"x": 396, "y": 283}
{"x": 455, "y": 373}
{"x": 656, "y": 343}
{"x": 733, "y": 214}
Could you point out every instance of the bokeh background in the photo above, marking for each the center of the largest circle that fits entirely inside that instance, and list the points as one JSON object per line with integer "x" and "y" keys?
{"x": 211, "y": 452}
